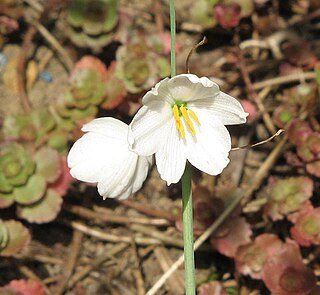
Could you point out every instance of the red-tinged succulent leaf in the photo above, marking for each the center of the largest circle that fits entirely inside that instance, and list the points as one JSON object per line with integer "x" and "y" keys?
{"x": 298, "y": 131}
{"x": 48, "y": 164}
{"x": 6, "y": 200}
{"x": 19, "y": 237}
{"x": 227, "y": 15}
{"x": 314, "y": 168}
{"x": 250, "y": 258}
{"x": 304, "y": 209}
{"x": 27, "y": 287}
{"x": 234, "y": 233}
{"x": 306, "y": 230}
{"x": 206, "y": 209}
{"x": 309, "y": 149}
{"x": 293, "y": 159}
{"x": 212, "y": 288}
{"x": 62, "y": 184}
{"x": 89, "y": 62}
{"x": 115, "y": 89}
{"x": 45, "y": 210}
{"x": 285, "y": 274}
{"x": 286, "y": 196}
{"x": 32, "y": 191}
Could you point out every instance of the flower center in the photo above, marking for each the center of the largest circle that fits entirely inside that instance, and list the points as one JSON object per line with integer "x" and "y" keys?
{"x": 179, "y": 110}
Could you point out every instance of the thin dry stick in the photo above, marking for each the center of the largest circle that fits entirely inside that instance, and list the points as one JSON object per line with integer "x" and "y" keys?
{"x": 107, "y": 216}
{"x": 158, "y": 235}
{"x": 71, "y": 261}
{"x": 147, "y": 210}
{"x": 27, "y": 41}
{"x": 252, "y": 93}
{"x": 285, "y": 79}
{"x": 81, "y": 274}
{"x": 203, "y": 41}
{"x": 260, "y": 142}
{"x": 55, "y": 44}
{"x": 113, "y": 238}
{"x": 137, "y": 270}
{"x": 176, "y": 282}
{"x": 259, "y": 176}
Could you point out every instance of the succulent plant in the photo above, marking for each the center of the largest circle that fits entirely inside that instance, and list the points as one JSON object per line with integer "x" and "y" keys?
{"x": 16, "y": 167}
{"x": 25, "y": 180}
{"x": 250, "y": 258}
{"x": 284, "y": 273}
{"x": 91, "y": 23}
{"x": 286, "y": 196}
{"x": 14, "y": 237}
{"x": 139, "y": 66}
{"x": 32, "y": 127}
{"x": 306, "y": 229}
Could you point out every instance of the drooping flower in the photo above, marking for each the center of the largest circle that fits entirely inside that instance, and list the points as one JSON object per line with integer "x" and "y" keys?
{"x": 102, "y": 156}
{"x": 181, "y": 119}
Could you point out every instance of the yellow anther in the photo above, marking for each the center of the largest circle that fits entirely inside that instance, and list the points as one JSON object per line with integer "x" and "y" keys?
{"x": 186, "y": 117}
{"x": 194, "y": 117}
{"x": 179, "y": 124}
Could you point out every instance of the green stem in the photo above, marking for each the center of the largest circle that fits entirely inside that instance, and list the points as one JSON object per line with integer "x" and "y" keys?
{"x": 173, "y": 37}
{"x": 186, "y": 184}
{"x": 188, "y": 231}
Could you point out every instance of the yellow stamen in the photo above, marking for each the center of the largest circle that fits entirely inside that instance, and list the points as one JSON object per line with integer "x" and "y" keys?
{"x": 179, "y": 125}
{"x": 186, "y": 117}
{"x": 194, "y": 117}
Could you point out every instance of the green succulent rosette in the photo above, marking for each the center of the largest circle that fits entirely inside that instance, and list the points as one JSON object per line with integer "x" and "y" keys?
{"x": 31, "y": 127}
{"x": 91, "y": 22}
{"x": 139, "y": 67}
{"x": 16, "y": 167}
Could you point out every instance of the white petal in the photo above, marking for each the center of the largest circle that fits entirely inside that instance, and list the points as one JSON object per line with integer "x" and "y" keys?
{"x": 148, "y": 129}
{"x": 114, "y": 184}
{"x": 141, "y": 172}
{"x": 159, "y": 92}
{"x": 108, "y": 126}
{"x": 209, "y": 149}
{"x": 102, "y": 156}
{"x": 171, "y": 158}
{"x": 223, "y": 106}
{"x": 188, "y": 87}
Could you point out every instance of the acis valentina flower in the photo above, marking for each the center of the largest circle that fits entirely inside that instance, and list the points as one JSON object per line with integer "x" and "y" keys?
{"x": 181, "y": 119}
{"x": 102, "y": 156}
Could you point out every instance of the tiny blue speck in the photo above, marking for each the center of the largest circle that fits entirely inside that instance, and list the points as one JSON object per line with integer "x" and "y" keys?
{"x": 45, "y": 76}
{"x": 3, "y": 59}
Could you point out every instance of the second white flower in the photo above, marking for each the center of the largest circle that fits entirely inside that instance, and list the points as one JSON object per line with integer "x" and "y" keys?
{"x": 181, "y": 119}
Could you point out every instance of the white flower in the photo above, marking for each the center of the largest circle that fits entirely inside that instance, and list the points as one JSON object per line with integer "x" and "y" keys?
{"x": 102, "y": 156}
{"x": 181, "y": 119}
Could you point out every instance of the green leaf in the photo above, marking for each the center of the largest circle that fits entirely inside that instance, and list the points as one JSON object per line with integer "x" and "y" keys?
{"x": 48, "y": 164}
{"x": 19, "y": 237}
{"x": 6, "y": 200}
{"x": 45, "y": 210}
{"x": 4, "y": 235}
{"x": 32, "y": 191}
{"x": 5, "y": 186}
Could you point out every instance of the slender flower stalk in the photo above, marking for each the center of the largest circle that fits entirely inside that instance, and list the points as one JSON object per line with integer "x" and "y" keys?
{"x": 186, "y": 178}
